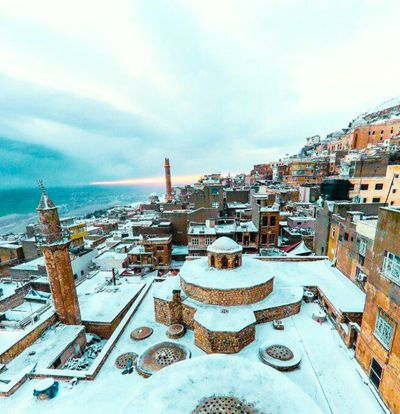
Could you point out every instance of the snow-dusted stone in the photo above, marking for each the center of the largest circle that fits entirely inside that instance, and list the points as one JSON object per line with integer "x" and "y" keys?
{"x": 224, "y": 245}
{"x": 280, "y": 352}
{"x": 319, "y": 315}
{"x": 159, "y": 356}
{"x": 252, "y": 273}
{"x": 225, "y": 320}
{"x": 183, "y": 387}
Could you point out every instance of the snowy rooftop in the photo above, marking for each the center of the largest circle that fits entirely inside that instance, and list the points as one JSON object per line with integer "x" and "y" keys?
{"x": 251, "y": 383}
{"x": 251, "y": 273}
{"x": 336, "y": 383}
{"x": 31, "y": 265}
{"x": 101, "y": 301}
{"x": 224, "y": 245}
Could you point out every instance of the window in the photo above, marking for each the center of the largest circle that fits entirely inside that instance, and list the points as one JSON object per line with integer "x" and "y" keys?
{"x": 394, "y": 191}
{"x": 264, "y": 221}
{"x": 195, "y": 242}
{"x": 160, "y": 248}
{"x": 361, "y": 259}
{"x": 208, "y": 240}
{"x": 378, "y": 186}
{"x": 391, "y": 203}
{"x": 263, "y": 239}
{"x": 215, "y": 204}
{"x": 383, "y": 329}
{"x": 160, "y": 260}
{"x": 376, "y": 200}
{"x": 363, "y": 247}
{"x": 346, "y": 236}
{"x": 375, "y": 374}
{"x": 272, "y": 221}
{"x": 82, "y": 272}
{"x": 236, "y": 262}
{"x": 212, "y": 261}
{"x": 391, "y": 267}
{"x": 272, "y": 238}
{"x": 364, "y": 187}
{"x": 224, "y": 262}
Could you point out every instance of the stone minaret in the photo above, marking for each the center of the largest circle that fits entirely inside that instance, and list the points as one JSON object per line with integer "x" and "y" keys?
{"x": 55, "y": 250}
{"x": 168, "y": 185}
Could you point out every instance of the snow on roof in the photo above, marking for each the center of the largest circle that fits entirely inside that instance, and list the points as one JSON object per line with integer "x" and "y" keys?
{"x": 251, "y": 382}
{"x": 300, "y": 250}
{"x": 245, "y": 226}
{"x": 31, "y": 265}
{"x": 102, "y": 302}
{"x": 252, "y": 272}
{"x": 180, "y": 250}
{"x": 233, "y": 319}
{"x": 224, "y": 245}
{"x": 10, "y": 246}
{"x": 341, "y": 292}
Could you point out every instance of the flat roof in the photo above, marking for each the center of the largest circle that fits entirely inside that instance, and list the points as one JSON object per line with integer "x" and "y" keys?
{"x": 102, "y": 302}
{"x": 327, "y": 373}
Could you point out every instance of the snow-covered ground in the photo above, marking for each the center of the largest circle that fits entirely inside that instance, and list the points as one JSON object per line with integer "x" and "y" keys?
{"x": 328, "y": 372}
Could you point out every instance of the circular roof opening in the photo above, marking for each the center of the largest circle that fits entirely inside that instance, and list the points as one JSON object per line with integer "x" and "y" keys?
{"x": 224, "y": 245}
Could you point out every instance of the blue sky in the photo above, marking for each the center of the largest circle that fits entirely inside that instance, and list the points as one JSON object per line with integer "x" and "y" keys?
{"x": 103, "y": 90}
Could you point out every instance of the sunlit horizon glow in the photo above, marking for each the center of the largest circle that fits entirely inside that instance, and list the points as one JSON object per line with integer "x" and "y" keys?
{"x": 180, "y": 179}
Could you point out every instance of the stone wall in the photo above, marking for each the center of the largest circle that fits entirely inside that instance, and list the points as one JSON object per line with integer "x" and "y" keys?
{"x": 222, "y": 342}
{"x": 72, "y": 349}
{"x": 279, "y": 312}
{"x": 229, "y": 297}
{"x": 16, "y": 299}
{"x": 224, "y": 260}
{"x": 27, "y": 340}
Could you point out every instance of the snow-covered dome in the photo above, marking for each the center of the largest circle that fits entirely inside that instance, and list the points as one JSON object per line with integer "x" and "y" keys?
{"x": 235, "y": 384}
{"x": 224, "y": 245}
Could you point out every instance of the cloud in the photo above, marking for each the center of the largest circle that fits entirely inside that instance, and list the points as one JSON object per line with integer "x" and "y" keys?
{"x": 112, "y": 88}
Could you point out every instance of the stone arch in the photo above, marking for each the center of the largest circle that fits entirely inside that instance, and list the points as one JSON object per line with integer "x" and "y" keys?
{"x": 224, "y": 262}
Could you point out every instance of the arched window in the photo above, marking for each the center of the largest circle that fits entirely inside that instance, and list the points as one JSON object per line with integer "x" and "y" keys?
{"x": 236, "y": 262}
{"x": 212, "y": 261}
{"x": 224, "y": 262}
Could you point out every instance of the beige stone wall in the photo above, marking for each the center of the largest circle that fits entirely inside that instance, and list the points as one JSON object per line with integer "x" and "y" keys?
{"x": 222, "y": 342}
{"x": 230, "y": 297}
{"x": 224, "y": 260}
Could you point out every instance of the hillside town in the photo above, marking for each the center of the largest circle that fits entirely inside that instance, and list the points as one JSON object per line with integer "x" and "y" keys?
{"x": 287, "y": 275}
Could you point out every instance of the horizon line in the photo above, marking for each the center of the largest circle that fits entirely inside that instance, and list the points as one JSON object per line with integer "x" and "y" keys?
{"x": 177, "y": 179}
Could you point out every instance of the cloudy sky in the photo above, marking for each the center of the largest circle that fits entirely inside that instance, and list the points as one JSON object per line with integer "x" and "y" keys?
{"x": 104, "y": 90}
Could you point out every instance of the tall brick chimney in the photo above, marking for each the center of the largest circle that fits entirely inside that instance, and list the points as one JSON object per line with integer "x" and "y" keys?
{"x": 168, "y": 185}
{"x": 55, "y": 250}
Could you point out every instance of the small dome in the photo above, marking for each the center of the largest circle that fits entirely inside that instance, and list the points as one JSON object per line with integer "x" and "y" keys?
{"x": 224, "y": 245}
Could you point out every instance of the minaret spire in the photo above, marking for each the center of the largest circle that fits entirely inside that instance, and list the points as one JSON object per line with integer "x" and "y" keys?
{"x": 55, "y": 250}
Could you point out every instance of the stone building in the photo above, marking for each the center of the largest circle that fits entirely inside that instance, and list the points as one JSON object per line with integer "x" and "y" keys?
{"x": 378, "y": 189}
{"x": 206, "y": 296}
{"x": 354, "y": 248}
{"x": 324, "y": 230}
{"x": 378, "y": 347}
{"x": 266, "y": 220}
{"x": 201, "y": 235}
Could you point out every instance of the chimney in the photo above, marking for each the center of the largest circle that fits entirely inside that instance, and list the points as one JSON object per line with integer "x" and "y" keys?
{"x": 168, "y": 185}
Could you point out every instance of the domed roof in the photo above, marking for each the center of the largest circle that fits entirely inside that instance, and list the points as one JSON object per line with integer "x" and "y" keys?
{"x": 237, "y": 383}
{"x": 224, "y": 245}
